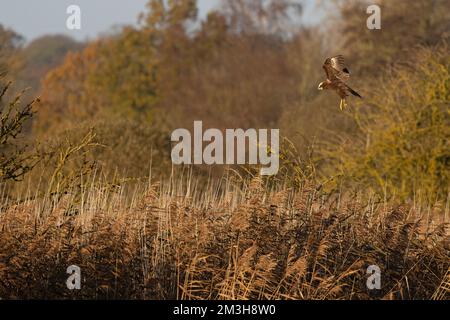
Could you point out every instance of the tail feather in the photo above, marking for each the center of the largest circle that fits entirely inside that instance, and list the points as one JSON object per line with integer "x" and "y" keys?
{"x": 353, "y": 92}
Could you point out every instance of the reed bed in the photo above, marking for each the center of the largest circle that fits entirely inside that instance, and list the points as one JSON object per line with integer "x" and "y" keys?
{"x": 182, "y": 240}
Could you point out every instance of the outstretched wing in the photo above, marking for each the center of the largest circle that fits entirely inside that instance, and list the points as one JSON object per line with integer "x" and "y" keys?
{"x": 335, "y": 68}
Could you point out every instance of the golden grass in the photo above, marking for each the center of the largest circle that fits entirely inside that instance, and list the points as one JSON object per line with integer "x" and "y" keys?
{"x": 229, "y": 241}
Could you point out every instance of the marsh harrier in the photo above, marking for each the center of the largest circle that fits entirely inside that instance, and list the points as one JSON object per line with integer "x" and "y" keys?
{"x": 337, "y": 76}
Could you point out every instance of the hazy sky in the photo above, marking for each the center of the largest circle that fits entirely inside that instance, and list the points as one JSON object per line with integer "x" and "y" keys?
{"x": 35, "y": 18}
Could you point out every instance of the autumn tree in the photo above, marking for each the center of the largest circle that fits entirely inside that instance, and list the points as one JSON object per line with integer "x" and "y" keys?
{"x": 275, "y": 17}
{"x": 118, "y": 75}
{"x": 405, "y": 26}
{"x": 10, "y": 45}
{"x": 40, "y": 56}
{"x": 15, "y": 161}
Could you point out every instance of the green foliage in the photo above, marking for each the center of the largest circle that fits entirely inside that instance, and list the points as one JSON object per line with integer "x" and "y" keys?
{"x": 124, "y": 75}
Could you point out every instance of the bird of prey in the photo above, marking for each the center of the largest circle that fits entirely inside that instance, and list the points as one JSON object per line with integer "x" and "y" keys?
{"x": 337, "y": 76}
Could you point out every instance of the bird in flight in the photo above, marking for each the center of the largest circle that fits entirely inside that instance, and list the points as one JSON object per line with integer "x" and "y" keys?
{"x": 337, "y": 76}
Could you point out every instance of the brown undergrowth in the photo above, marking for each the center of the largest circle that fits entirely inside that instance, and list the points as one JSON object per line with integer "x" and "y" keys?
{"x": 228, "y": 242}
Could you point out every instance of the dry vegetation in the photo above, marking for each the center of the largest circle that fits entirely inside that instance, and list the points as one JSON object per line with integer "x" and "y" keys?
{"x": 246, "y": 242}
{"x": 368, "y": 186}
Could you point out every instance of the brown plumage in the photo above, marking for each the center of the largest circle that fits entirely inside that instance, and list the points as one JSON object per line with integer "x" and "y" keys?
{"x": 337, "y": 76}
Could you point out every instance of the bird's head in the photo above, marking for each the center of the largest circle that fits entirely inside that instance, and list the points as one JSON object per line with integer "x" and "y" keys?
{"x": 320, "y": 87}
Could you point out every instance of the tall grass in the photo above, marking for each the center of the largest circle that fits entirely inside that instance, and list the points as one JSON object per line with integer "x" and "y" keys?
{"x": 179, "y": 239}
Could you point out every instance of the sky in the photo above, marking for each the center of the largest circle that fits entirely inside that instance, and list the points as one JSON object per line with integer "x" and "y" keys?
{"x": 32, "y": 19}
